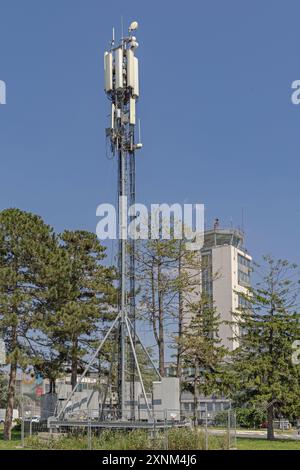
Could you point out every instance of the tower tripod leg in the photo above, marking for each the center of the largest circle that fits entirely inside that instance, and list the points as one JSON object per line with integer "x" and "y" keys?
{"x": 137, "y": 366}
{"x": 145, "y": 350}
{"x": 89, "y": 364}
{"x": 108, "y": 383}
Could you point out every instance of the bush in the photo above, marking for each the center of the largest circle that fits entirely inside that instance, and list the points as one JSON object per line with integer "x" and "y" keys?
{"x": 120, "y": 440}
{"x": 184, "y": 439}
{"x": 221, "y": 419}
{"x": 249, "y": 417}
{"x": 17, "y": 423}
{"x": 245, "y": 418}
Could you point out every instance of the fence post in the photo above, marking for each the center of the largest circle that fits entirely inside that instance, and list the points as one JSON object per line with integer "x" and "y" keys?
{"x": 235, "y": 443}
{"x": 228, "y": 428}
{"x": 166, "y": 443}
{"x": 89, "y": 431}
{"x": 206, "y": 428}
{"x": 22, "y": 423}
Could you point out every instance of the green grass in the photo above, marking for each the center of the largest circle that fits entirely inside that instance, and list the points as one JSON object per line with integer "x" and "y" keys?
{"x": 264, "y": 444}
{"x": 10, "y": 445}
{"x": 178, "y": 439}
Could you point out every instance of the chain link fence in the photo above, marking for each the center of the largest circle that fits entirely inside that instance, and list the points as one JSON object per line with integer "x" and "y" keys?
{"x": 102, "y": 429}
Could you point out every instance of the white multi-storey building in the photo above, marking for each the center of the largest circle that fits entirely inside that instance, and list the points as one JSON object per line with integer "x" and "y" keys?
{"x": 225, "y": 276}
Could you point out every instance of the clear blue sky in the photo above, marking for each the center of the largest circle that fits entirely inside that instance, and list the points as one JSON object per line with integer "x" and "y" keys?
{"x": 218, "y": 124}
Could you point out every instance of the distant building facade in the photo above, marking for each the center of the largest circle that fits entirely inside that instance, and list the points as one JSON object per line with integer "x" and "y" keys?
{"x": 224, "y": 277}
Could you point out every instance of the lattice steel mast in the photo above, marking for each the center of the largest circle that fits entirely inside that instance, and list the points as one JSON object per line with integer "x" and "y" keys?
{"x": 122, "y": 89}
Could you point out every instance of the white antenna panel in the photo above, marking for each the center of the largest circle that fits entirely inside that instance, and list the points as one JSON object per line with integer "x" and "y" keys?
{"x": 112, "y": 125}
{"x": 132, "y": 111}
{"x": 136, "y": 88}
{"x": 130, "y": 68}
{"x": 119, "y": 68}
{"x": 108, "y": 71}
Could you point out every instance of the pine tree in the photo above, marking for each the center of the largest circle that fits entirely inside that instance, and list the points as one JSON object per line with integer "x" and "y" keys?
{"x": 87, "y": 303}
{"x": 26, "y": 247}
{"x": 262, "y": 373}
{"x": 3, "y": 390}
{"x": 202, "y": 352}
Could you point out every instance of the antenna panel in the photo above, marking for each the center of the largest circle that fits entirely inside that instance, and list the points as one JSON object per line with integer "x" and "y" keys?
{"x": 132, "y": 119}
{"x": 119, "y": 68}
{"x": 136, "y": 88}
{"x": 108, "y": 71}
{"x": 130, "y": 68}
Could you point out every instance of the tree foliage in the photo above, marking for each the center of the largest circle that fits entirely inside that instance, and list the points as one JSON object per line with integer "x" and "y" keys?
{"x": 262, "y": 372}
{"x": 26, "y": 249}
{"x": 202, "y": 351}
{"x": 56, "y": 296}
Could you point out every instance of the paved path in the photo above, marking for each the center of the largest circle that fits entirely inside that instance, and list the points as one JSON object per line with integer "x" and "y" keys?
{"x": 258, "y": 434}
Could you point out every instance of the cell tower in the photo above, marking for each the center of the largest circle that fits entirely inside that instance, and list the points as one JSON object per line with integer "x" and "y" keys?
{"x": 122, "y": 89}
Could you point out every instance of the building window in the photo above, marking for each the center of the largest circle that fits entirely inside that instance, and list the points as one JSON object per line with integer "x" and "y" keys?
{"x": 244, "y": 270}
{"x": 243, "y": 261}
{"x": 210, "y": 407}
{"x": 207, "y": 284}
{"x": 218, "y": 406}
{"x": 243, "y": 303}
{"x": 244, "y": 277}
{"x": 157, "y": 402}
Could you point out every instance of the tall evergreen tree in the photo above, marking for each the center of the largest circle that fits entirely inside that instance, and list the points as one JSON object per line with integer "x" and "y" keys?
{"x": 26, "y": 247}
{"x": 3, "y": 390}
{"x": 202, "y": 351}
{"x": 88, "y": 300}
{"x": 268, "y": 322}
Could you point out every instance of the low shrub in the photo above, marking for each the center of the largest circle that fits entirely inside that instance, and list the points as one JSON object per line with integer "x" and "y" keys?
{"x": 173, "y": 439}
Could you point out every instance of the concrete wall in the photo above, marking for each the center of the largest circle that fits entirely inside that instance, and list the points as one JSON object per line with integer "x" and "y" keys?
{"x": 222, "y": 266}
{"x": 225, "y": 290}
{"x": 224, "y": 260}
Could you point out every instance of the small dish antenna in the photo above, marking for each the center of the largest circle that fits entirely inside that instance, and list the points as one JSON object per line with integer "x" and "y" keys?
{"x": 134, "y": 25}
